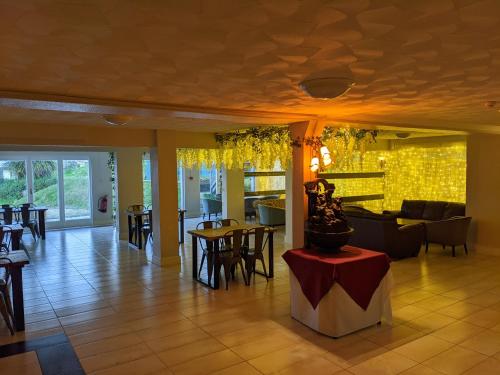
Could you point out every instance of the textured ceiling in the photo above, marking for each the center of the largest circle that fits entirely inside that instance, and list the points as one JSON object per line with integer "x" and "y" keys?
{"x": 424, "y": 63}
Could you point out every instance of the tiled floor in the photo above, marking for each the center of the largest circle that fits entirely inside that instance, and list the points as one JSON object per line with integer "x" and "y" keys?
{"x": 126, "y": 316}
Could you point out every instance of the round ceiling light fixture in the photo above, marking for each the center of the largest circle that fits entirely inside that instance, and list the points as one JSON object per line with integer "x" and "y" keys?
{"x": 326, "y": 88}
{"x": 116, "y": 119}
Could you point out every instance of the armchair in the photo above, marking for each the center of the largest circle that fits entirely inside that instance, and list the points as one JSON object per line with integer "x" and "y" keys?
{"x": 450, "y": 232}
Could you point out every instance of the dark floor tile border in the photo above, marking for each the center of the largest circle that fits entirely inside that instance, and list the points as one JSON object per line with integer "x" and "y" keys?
{"x": 55, "y": 354}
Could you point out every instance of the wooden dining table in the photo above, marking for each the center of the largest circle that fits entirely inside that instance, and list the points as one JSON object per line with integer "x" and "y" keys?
{"x": 18, "y": 259}
{"x": 214, "y": 235}
{"x": 40, "y": 213}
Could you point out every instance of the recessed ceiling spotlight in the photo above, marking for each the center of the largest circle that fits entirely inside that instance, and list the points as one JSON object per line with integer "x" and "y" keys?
{"x": 116, "y": 119}
{"x": 327, "y": 88}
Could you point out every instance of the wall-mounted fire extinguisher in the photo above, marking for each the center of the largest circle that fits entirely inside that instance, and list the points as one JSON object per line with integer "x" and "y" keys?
{"x": 102, "y": 204}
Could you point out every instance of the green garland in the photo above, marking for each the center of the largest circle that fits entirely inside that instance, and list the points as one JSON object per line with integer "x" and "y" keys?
{"x": 357, "y": 134}
{"x": 255, "y": 137}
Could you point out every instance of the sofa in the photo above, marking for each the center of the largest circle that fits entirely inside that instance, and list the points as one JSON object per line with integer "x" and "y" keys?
{"x": 445, "y": 222}
{"x": 250, "y": 210}
{"x": 381, "y": 232}
{"x": 421, "y": 210}
{"x": 271, "y": 212}
{"x": 211, "y": 206}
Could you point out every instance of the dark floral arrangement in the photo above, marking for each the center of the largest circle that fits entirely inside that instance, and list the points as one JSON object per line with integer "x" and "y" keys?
{"x": 325, "y": 211}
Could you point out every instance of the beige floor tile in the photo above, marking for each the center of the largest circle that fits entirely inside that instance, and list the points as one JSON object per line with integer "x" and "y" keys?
{"x": 484, "y": 318}
{"x": 106, "y": 345}
{"x": 208, "y": 363}
{"x": 487, "y": 342}
{"x": 423, "y": 348}
{"x": 458, "y": 332}
{"x": 407, "y": 313}
{"x": 174, "y": 356}
{"x": 20, "y": 364}
{"x": 313, "y": 365}
{"x": 460, "y": 310}
{"x": 242, "y": 368}
{"x": 489, "y": 366}
{"x": 143, "y": 366}
{"x": 256, "y": 348}
{"x": 395, "y": 336}
{"x": 387, "y": 363}
{"x": 178, "y": 339}
{"x": 455, "y": 360}
{"x": 281, "y": 359}
{"x": 115, "y": 357}
{"x": 421, "y": 370}
{"x": 431, "y": 322}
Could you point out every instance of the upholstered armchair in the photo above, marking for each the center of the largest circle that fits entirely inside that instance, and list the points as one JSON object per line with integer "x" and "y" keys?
{"x": 271, "y": 212}
{"x": 211, "y": 206}
{"x": 451, "y": 232}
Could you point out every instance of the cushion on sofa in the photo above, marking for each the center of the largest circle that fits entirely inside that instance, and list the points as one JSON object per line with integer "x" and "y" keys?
{"x": 412, "y": 209}
{"x": 433, "y": 210}
{"x": 453, "y": 209}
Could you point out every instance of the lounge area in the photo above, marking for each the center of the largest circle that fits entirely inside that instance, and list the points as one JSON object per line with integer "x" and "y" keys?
{"x": 277, "y": 187}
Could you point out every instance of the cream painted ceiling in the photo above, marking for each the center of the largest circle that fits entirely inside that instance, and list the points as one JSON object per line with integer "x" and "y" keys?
{"x": 429, "y": 63}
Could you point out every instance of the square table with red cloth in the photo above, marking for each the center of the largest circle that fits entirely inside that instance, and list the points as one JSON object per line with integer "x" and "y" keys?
{"x": 358, "y": 272}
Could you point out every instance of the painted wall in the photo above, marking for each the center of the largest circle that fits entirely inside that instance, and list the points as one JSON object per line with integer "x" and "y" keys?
{"x": 483, "y": 188}
{"x": 101, "y": 186}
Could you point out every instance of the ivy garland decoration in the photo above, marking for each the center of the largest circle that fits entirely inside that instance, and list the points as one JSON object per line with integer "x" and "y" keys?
{"x": 260, "y": 147}
{"x": 344, "y": 143}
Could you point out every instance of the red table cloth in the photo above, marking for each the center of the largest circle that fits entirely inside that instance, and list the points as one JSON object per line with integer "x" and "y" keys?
{"x": 358, "y": 271}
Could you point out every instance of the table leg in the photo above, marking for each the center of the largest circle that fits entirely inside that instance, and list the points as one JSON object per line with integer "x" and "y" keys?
{"x": 130, "y": 232}
{"x": 16, "y": 239}
{"x": 17, "y": 296}
{"x": 194, "y": 246}
{"x": 270, "y": 246}
{"x": 41, "y": 223}
{"x": 138, "y": 231}
{"x": 216, "y": 265}
{"x": 181, "y": 223}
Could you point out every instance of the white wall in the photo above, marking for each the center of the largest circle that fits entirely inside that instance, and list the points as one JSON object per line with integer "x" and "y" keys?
{"x": 101, "y": 185}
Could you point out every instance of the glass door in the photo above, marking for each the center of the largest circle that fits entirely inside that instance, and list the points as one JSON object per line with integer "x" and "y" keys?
{"x": 13, "y": 183}
{"x": 45, "y": 188}
{"x": 76, "y": 189}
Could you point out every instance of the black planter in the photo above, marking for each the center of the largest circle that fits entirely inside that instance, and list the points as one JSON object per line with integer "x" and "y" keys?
{"x": 329, "y": 242}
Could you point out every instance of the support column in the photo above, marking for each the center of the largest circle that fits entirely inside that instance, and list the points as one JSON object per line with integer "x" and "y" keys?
{"x": 164, "y": 192}
{"x": 128, "y": 167}
{"x": 191, "y": 196}
{"x": 233, "y": 194}
{"x": 298, "y": 173}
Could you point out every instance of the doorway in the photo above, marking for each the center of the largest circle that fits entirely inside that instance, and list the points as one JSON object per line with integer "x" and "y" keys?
{"x": 60, "y": 182}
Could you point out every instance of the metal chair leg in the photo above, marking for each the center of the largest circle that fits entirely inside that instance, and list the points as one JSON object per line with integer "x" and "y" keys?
{"x": 465, "y": 248}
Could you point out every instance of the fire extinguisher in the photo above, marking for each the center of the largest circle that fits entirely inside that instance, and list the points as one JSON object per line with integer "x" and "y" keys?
{"x": 102, "y": 204}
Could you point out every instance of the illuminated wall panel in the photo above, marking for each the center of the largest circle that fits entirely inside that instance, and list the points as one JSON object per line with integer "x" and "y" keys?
{"x": 427, "y": 171}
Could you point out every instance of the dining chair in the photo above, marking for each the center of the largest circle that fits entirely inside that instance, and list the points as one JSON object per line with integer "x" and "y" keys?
{"x": 131, "y": 209}
{"x": 230, "y": 260}
{"x": 251, "y": 255}
{"x": 5, "y": 304}
{"x": 225, "y": 244}
{"x": 4, "y": 240}
{"x": 207, "y": 248}
{"x": 147, "y": 228}
{"x": 28, "y": 222}
{"x": 8, "y": 215}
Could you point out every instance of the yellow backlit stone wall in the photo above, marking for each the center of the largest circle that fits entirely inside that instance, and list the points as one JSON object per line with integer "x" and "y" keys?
{"x": 431, "y": 171}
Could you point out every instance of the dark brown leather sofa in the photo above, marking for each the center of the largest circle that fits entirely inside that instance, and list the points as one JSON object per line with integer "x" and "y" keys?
{"x": 445, "y": 222}
{"x": 419, "y": 210}
{"x": 381, "y": 232}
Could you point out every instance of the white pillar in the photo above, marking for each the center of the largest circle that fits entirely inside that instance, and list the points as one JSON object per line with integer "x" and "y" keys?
{"x": 191, "y": 196}
{"x": 233, "y": 194}
{"x": 164, "y": 192}
{"x": 128, "y": 167}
